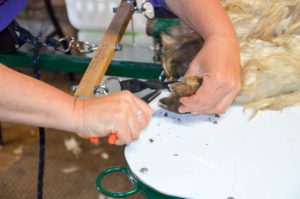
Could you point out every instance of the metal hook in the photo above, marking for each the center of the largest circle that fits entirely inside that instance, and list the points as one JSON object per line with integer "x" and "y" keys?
{"x": 84, "y": 47}
{"x": 61, "y": 44}
{"x": 101, "y": 89}
{"x": 145, "y": 8}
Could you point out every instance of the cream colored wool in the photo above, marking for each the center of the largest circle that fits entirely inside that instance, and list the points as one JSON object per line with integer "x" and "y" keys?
{"x": 263, "y": 19}
{"x": 269, "y": 34}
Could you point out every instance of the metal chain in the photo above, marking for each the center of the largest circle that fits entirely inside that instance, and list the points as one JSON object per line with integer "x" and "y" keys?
{"x": 66, "y": 44}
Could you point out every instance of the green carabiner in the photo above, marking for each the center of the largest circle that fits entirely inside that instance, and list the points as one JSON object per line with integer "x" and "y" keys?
{"x": 125, "y": 171}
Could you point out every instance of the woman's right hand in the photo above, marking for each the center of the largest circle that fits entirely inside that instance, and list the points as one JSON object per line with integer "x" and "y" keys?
{"x": 121, "y": 113}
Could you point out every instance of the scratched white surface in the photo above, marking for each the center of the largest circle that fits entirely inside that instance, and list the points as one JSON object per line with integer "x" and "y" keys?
{"x": 195, "y": 157}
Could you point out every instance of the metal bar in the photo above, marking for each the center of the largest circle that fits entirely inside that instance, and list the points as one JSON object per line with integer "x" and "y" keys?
{"x": 78, "y": 64}
{"x": 104, "y": 54}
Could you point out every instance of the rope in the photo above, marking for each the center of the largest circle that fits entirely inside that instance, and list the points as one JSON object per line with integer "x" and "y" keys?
{"x": 41, "y": 163}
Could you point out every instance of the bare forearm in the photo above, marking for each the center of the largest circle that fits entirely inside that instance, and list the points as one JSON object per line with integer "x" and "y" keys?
{"x": 29, "y": 101}
{"x": 207, "y": 17}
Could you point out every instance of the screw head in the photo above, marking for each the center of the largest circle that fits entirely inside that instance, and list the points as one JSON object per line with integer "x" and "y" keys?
{"x": 74, "y": 88}
{"x": 118, "y": 47}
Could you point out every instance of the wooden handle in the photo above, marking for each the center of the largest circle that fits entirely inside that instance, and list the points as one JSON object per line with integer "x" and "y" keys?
{"x": 105, "y": 52}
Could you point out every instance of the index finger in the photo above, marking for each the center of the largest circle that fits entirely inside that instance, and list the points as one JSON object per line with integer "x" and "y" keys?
{"x": 206, "y": 97}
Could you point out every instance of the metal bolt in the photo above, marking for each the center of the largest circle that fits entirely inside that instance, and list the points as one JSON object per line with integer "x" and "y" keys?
{"x": 74, "y": 88}
{"x": 18, "y": 33}
{"x": 118, "y": 47}
{"x": 101, "y": 89}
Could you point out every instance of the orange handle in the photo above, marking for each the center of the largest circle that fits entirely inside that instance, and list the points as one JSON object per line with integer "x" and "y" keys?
{"x": 94, "y": 139}
{"x": 112, "y": 138}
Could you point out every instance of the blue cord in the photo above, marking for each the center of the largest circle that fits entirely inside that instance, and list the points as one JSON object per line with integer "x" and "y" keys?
{"x": 41, "y": 169}
{"x": 41, "y": 164}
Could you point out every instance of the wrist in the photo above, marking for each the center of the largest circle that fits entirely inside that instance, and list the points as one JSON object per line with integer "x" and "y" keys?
{"x": 224, "y": 44}
{"x": 77, "y": 115}
{"x": 69, "y": 116}
{"x": 224, "y": 37}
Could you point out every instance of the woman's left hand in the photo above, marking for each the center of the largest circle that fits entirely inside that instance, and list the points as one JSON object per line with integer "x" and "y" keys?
{"x": 218, "y": 63}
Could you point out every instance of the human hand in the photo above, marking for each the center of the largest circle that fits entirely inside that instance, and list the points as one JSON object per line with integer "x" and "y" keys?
{"x": 218, "y": 62}
{"x": 120, "y": 113}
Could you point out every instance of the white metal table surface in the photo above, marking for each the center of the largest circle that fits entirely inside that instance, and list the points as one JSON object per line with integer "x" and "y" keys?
{"x": 220, "y": 157}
